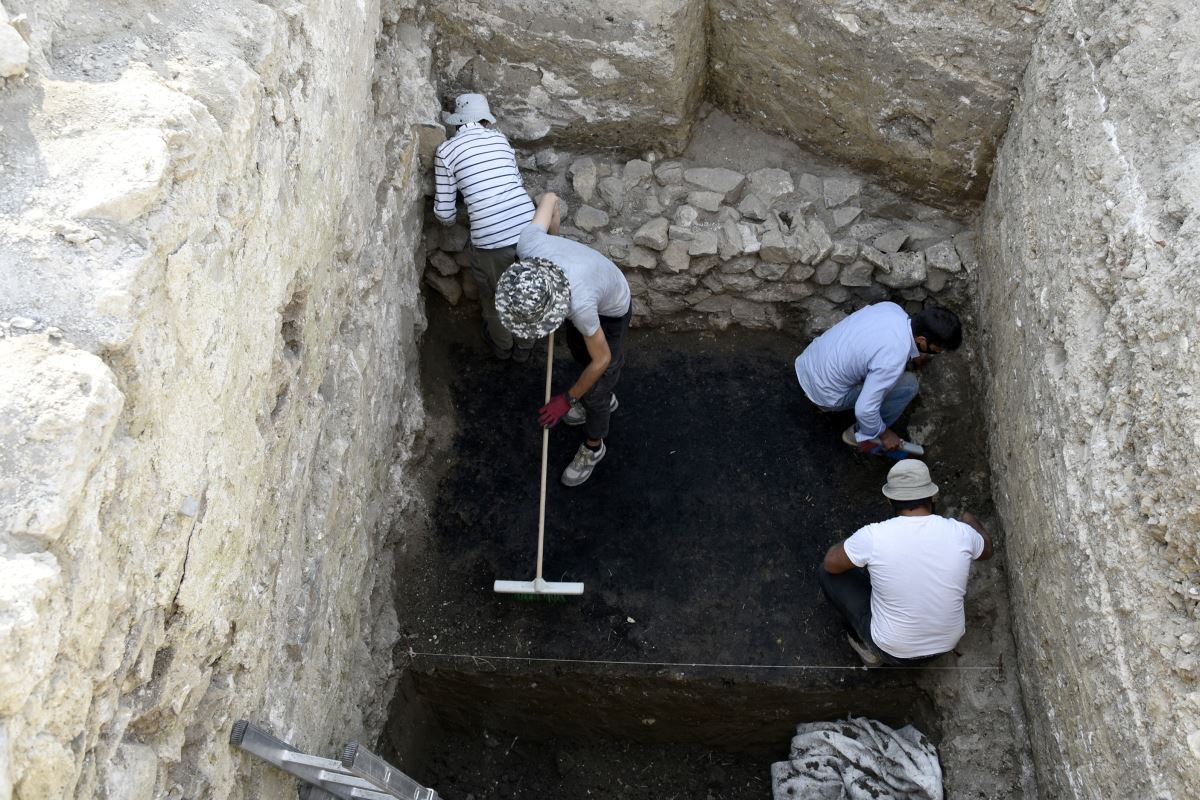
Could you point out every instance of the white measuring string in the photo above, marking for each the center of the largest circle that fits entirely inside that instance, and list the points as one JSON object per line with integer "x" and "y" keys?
{"x": 691, "y": 665}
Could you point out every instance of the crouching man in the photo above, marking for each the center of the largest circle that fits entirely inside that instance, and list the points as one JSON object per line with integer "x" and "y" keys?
{"x": 899, "y": 584}
{"x": 860, "y": 364}
{"x": 559, "y": 279}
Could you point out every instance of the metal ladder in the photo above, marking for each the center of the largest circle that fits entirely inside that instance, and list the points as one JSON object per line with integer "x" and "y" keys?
{"x": 360, "y": 775}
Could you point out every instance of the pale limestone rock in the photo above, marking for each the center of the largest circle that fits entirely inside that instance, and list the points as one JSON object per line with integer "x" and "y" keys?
{"x": 752, "y": 206}
{"x": 903, "y": 270}
{"x": 836, "y": 293}
{"x": 641, "y": 258}
{"x": 771, "y": 272}
{"x": 774, "y": 249}
{"x": 844, "y": 251}
{"x": 837, "y": 191}
{"x": 943, "y": 256}
{"x": 873, "y": 256}
{"x": 936, "y": 279}
{"x": 827, "y": 272}
{"x": 653, "y": 234}
{"x": 725, "y": 182}
{"x": 669, "y": 173}
{"x": 686, "y": 216}
{"x": 750, "y": 241}
{"x": 844, "y": 216}
{"x": 715, "y": 304}
{"x": 56, "y": 430}
{"x": 768, "y": 184}
{"x": 637, "y": 171}
{"x": 14, "y": 52}
{"x": 729, "y": 243}
{"x": 676, "y": 258}
{"x": 811, "y": 187}
{"x": 890, "y": 241}
{"x": 705, "y": 201}
{"x": 590, "y": 219}
{"x": 583, "y": 178}
{"x": 779, "y": 293}
{"x": 703, "y": 244}
{"x": 612, "y": 192}
{"x": 857, "y": 274}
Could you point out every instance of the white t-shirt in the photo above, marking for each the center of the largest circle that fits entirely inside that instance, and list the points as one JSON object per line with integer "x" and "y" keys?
{"x": 919, "y": 568}
{"x": 598, "y": 288}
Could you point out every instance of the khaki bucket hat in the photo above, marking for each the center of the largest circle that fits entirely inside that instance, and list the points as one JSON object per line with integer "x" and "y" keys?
{"x": 909, "y": 480}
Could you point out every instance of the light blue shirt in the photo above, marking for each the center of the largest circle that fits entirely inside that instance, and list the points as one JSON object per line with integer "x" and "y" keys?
{"x": 871, "y": 347}
{"x": 598, "y": 288}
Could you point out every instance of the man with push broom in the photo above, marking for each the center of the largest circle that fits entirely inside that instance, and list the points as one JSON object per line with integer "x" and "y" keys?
{"x": 557, "y": 279}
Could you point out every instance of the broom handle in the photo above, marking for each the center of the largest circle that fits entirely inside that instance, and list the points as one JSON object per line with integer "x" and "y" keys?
{"x": 545, "y": 456}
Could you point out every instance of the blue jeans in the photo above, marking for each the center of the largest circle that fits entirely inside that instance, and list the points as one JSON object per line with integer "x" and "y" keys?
{"x": 894, "y": 402}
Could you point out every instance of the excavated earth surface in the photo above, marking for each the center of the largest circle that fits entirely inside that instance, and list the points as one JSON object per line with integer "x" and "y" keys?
{"x": 702, "y": 635}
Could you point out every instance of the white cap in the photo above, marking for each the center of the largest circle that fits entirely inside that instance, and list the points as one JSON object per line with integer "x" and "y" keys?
{"x": 469, "y": 108}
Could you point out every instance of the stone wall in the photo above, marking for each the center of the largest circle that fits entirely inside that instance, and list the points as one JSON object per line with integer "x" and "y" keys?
{"x": 1088, "y": 296}
{"x": 789, "y": 240}
{"x": 624, "y": 73}
{"x": 209, "y": 301}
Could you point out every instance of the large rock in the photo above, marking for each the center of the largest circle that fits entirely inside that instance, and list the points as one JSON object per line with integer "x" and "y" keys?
{"x": 1088, "y": 253}
{"x": 724, "y": 182}
{"x": 625, "y": 74}
{"x": 917, "y": 91}
{"x": 653, "y": 234}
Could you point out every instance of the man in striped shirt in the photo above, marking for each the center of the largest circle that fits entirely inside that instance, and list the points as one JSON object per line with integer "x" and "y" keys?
{"x": 479, "y": 162}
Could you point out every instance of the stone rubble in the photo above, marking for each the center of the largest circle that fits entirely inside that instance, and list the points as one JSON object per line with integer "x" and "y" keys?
{"x": 719, "y": 246}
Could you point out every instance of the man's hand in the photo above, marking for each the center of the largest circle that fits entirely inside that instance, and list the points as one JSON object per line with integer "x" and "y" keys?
{"x": 921, "y": 361}
{"x": 889, "y": 440}
{"x": 556, "y": 409}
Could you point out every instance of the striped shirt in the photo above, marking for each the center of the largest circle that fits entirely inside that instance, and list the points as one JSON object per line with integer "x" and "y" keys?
{"x": 479, "y": 162}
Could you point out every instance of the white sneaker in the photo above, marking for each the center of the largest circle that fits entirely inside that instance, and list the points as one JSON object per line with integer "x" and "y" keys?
{"x": 578, "y": 414}
{"x": 580, "y": 468}
{"x": 848, "y": 437}
{"x": 868, "y": 656}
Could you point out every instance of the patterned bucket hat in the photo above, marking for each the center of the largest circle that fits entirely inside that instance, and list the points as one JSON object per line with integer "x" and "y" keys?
{"x": 532, "y": 298}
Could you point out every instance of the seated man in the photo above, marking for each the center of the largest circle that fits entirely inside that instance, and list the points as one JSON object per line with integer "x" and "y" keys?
{"x": 899, "y": 585}
{"x": 559, "y": 279}
{"x": 860, "y": 363}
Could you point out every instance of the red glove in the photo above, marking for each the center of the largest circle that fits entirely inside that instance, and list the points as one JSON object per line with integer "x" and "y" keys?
{"x": 556, "y": 409}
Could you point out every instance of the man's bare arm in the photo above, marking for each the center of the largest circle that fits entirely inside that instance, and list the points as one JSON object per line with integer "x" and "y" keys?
{"x": 547, "y": 214}
{"x": 597, "y": 347}
{"x": 836, "y": 560}
{"x": 974, "y": 522}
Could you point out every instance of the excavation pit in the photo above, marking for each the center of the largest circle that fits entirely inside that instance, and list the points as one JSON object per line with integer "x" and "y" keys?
{"x": 702, "y": 633}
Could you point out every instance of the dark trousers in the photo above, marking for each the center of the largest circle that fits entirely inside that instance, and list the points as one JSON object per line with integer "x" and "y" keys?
{"x": 850, "y": 593}
{"x": 596, "y": 400}
{"x": 486, "y": 268}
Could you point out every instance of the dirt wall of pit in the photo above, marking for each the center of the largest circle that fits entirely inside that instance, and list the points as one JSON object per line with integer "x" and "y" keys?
{"x": 917, "y": 93}
{"x": 1089, "y": 304}
{"x": 208, "y": 289}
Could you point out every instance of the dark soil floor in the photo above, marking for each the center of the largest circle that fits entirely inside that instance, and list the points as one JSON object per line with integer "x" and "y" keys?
{"x": 702, "y": 636}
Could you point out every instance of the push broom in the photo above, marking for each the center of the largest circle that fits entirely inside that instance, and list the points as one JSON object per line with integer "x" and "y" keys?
{"x": 538, "y": 586}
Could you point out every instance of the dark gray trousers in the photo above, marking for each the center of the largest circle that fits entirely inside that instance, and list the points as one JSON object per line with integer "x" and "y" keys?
{"x": 850, "y": 593}
{"x": 596, "y": 400}
{"x": 486, "y": 268}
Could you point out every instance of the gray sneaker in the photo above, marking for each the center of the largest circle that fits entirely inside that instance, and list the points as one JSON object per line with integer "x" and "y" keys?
{"x": 580, "y": 468}
{"x": 869, "y": 657}
{"x": 578, "y": 414}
